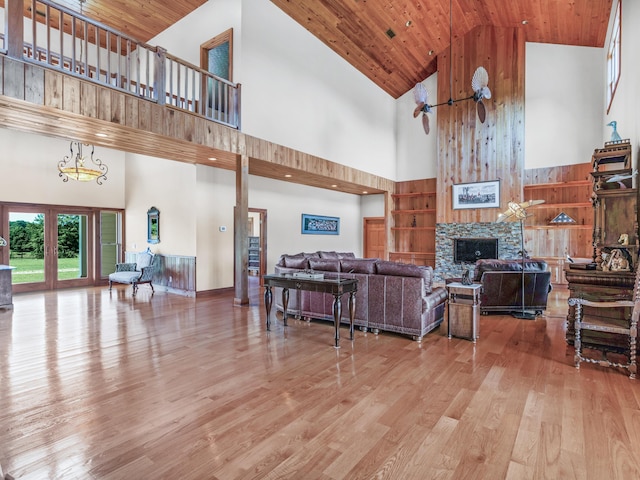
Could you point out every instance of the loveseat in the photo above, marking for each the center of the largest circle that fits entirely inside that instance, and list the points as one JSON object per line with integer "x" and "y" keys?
{"x": 502, "y": 285}
{"x": 392, "y": 296}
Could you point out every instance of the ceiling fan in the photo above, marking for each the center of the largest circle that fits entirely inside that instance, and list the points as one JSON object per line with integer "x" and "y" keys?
{"x": 479, "y": 85}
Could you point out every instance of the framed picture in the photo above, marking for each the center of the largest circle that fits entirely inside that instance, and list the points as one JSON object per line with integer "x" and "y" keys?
{"x": 476, "y": 195}
{"x": 319, "y": 225}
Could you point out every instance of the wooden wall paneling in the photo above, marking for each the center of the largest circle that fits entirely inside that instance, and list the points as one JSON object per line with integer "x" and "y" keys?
{"x": 53, "y": 89}
{"x": 117, "y": 107}
{"x": 188, "y": 126}
{"x": 471, "y": 151}
{"x": 131, "y": 118}
{"x": 104, "y": 104}
{"x": 157, "y": 114}
{"x": 13, "y": 79}
{"x": 144, "y": 115}
{"x": 71, "y": 94}
{"x": 34, "y": 84}
{"x": 89, "y": 99}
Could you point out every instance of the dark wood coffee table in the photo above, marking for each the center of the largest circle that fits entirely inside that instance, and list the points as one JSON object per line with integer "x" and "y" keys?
{"x": 335, "y": 286}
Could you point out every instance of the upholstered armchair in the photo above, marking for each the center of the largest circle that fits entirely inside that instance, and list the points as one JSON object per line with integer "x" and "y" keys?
{"x": 136, "y": 273}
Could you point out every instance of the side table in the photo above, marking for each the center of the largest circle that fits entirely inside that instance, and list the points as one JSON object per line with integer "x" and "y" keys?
{"x": 464, "y": 311}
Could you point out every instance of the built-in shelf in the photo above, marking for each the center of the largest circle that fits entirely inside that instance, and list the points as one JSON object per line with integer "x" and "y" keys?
{"x": 414, "y": 238}
{"x": 413, "y": 228}
{"x": 412, "y": 194}
{"x": 423, "y": 210}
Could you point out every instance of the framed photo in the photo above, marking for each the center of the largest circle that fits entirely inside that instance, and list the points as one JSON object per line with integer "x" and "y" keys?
{"x": 476, "y": 195}
{"x": 319, "y": 225}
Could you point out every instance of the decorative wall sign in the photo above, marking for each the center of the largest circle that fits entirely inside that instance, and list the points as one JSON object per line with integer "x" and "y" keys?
{"x": 319, "y": 225}
{"x": 476, "y": 195}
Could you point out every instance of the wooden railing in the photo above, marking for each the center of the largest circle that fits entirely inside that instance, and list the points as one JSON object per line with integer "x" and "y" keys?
{"x": 62, "y": 39}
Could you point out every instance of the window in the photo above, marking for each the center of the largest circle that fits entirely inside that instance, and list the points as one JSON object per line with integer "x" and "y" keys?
{"x": 613, "y": 56}
{"x": 216, "y": 55}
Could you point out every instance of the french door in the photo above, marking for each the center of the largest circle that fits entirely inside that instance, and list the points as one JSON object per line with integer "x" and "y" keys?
{"x": 53, "y": 247}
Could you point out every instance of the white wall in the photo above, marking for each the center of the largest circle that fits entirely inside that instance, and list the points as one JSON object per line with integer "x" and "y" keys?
{"x": 295, "y": 91}
{"x": 29, "y": 170}
{"x": 215, "y": 198}
{"x": 170, "y": 187}
{"x": 372, "y": 206}
{"x": 626, "y": 102}
{"x": 564, "y": 105}
{"x": 285, "y": 204}
{"x": 417, "y": 153}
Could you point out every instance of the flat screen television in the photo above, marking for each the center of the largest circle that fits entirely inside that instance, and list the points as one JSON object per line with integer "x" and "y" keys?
{"x": 472, "y": 249}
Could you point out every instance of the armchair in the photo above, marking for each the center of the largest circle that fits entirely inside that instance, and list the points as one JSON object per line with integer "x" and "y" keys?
{"x": 136, "y": 273}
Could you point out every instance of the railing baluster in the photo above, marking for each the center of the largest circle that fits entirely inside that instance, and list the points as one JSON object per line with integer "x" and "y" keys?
{"x": 165, "y": 79}
{"x": 34, "y": 25}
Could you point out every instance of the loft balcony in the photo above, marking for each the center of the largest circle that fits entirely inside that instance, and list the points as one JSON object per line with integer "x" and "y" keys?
{"x": 60, "y": 39}
{"x": 65, "y": 75}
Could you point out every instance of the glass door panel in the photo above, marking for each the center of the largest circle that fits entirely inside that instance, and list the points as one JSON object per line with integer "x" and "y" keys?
{"x": 27, "y": 247}
{"x": 72, "y": 246}
{"x": 110, "y": 242}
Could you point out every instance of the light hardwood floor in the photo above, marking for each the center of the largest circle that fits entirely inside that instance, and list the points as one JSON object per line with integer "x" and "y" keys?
{"x": 99, "y": 385}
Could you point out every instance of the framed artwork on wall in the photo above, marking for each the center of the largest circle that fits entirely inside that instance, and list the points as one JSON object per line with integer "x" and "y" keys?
{"x": 320, "y": 225}
{"x": 476, "y": 195}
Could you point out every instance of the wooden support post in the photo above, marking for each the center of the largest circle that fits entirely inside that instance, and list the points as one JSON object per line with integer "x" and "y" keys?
{"x": 15, "y": 28}
{"x": 241, "y": 230}
{"x": 159, "y": 87}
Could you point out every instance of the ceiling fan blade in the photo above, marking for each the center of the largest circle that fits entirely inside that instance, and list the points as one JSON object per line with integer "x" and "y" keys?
{"x": 482, "y": 111}
{"x": 418, "y": 109}
{"x": 425, "y": 123}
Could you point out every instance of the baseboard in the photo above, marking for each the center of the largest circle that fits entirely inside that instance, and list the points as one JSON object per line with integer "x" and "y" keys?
{"x": 177, "y": 291}
{"x": 215, "y": 292}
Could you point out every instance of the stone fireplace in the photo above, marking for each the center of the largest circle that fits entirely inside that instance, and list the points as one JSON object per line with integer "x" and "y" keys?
{"x": 507, "y": 234}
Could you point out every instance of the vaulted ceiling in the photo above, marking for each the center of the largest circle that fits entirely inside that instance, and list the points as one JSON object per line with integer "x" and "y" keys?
{"x": 394, "y": 43}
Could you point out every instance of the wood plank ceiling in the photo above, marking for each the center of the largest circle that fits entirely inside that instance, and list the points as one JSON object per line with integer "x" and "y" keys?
{"x": 357, "y": 30}
{"x": 360, "y": 30}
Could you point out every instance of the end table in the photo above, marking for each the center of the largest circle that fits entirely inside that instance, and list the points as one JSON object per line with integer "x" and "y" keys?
{"x": 464, "y": 311}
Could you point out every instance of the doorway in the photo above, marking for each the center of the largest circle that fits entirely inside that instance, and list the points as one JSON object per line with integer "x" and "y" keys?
{"x": 257, "y": 229}
{"x": 53, "y": 247}
{"x": 375, "y": 237}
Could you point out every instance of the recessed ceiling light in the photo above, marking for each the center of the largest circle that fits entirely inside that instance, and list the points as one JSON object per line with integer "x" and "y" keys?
{"x": 103, "y": 135}
{"x": 288, "y": 175}
{"x": 525, "y": 22}
{"x": 365, "y": 192}
{"x": 334, "y": 185}
{"x": 213, "y": 159}
{"x": 408, "y": 24}
{"x": 430, "y": 52}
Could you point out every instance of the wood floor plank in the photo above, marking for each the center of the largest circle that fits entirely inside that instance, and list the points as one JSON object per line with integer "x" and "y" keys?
{"x": 100, "y": 385}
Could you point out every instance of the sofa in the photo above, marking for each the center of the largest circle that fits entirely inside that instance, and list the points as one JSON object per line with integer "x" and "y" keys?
{"x": 391, "y": 297}
{"x": 502, "y": 285}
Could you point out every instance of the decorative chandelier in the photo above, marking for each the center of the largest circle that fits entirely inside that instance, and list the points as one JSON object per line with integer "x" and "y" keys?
{"x": 75, "y": 166}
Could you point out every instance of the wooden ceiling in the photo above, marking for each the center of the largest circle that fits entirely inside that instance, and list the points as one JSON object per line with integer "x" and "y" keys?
{"x": 139, "y": 19}
{"x": 359, "y": 30}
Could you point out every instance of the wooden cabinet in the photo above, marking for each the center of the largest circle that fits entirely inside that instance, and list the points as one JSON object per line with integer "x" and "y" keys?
{"x": 254, "y": 255}
{"x": 615, "y": 205}
{"x": 414, "y": 222}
